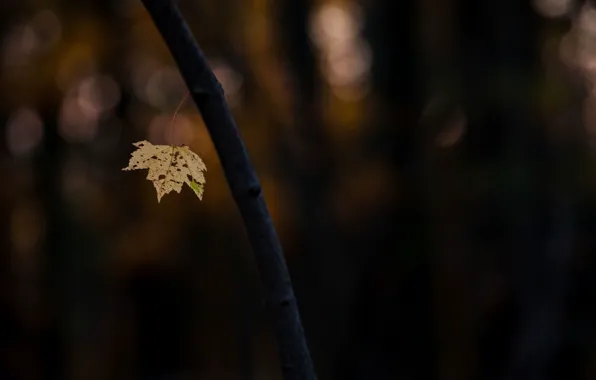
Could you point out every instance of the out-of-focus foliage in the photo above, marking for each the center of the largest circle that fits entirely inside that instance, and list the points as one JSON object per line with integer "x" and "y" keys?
{"x": 429, "y": 166}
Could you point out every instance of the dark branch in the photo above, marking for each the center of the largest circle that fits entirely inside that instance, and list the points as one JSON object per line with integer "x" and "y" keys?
{"x": 208, "y": 95}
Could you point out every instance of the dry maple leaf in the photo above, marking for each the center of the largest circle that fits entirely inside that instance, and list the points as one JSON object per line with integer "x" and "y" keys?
{"x": 169, "y": 167}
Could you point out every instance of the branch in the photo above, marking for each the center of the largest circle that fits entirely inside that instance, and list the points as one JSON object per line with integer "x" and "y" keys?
{"x": 209, "y": 97}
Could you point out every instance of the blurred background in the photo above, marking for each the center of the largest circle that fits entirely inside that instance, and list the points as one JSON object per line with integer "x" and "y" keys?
{"x": 429, "y": 165}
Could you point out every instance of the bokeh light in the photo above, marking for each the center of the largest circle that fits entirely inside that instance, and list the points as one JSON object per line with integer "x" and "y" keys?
{"x": 98, "y": 94}
{"x": 345, "y": 57}
{"x": 47, "y": 29}
{"x": 553, "y": 8}
{"x": 577, "y": 50}
{"x": 84, "y": 106}
{"x": 163, "y": 87}
{"x": 25, "y": 41}
{"x": 230, "y": 79}
{"x": 335, "y": 23}
{"x": 24, "y": 132}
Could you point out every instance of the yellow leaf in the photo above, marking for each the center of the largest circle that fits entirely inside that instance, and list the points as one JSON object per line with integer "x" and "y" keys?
{"x": 169, "y": 167}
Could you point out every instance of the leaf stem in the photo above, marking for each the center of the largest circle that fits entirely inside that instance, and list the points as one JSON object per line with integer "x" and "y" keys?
{"x": 178, "y": 109}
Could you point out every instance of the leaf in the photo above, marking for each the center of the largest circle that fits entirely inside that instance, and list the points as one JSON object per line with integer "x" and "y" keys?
{"x": 197, "y": 188}
{"x": 169, "y": 167}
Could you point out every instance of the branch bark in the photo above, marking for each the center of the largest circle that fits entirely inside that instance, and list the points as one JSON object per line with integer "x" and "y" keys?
{"x": 208, "y": 95}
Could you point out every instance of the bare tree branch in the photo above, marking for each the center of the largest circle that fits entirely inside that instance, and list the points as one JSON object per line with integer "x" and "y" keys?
{"x": 209, "y": 97}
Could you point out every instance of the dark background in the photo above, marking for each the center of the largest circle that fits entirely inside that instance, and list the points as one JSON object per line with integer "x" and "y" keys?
{"x": 429, "y": 166}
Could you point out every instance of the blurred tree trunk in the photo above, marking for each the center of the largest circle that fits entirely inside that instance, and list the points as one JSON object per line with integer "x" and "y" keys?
{"x": 453, "y": 279}
{"x": 73, "y": 288}
{"x": 70, "y": 286}
{"x": 309, "y": 170}
{"x": 391, "y": 317}
{"x": 447, "y": 193}
{"x": 501, "y": 59}
{"x": 53, "y": 342}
